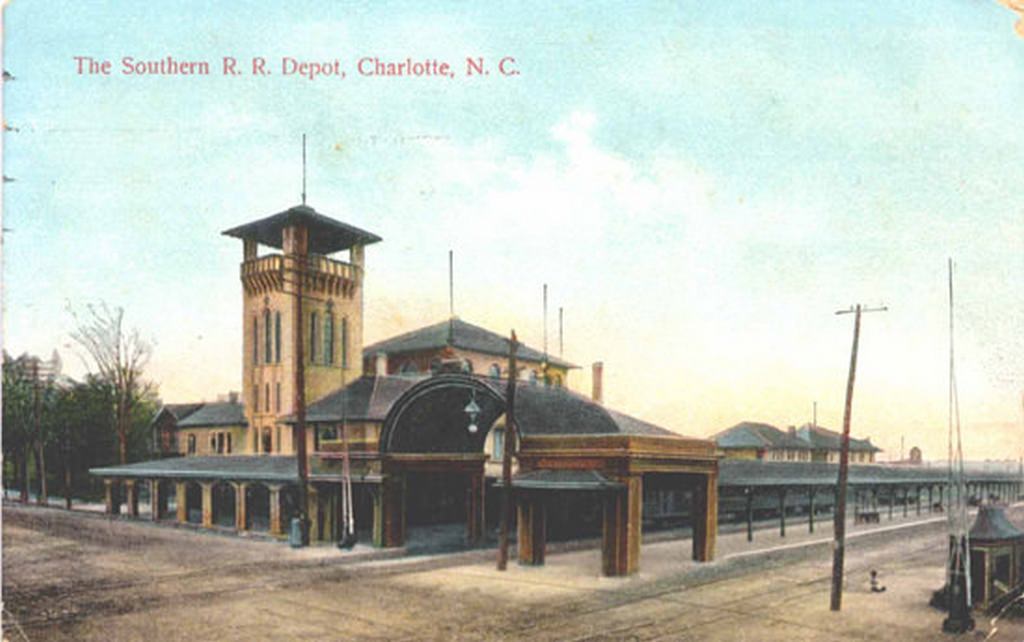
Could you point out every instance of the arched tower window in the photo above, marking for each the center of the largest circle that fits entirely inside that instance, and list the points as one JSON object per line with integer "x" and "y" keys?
{"x": 314, "y": 335}
{"x": 277, "y": 337}
{"x": 344, "y": 342}
{"x": 268, "y": 338}
{"x": 329, "y": 338}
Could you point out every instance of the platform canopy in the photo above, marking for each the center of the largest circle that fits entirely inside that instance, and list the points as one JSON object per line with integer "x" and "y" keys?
{"x": 326, "y": 235}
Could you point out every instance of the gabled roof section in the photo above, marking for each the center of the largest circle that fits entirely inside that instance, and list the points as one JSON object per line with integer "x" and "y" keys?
{"x": 221, "y": 413}
{"x": 824, "y": 439}
{"x": 326, "y": 235}
{"x": 176, "y": 411}
{"x": 368, "y": 398}
{"x": 749, "y": 434}
{"x": 465, "y": 336}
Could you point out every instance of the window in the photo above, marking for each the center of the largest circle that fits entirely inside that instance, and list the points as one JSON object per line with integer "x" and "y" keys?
{"x": 277, "y": 396}
{"x": 328, "y": 433}
{"x": 191, "y": 444}
{"x": 268, "y": 447}
{"x": 278, "y": 431}
{"x": 467, "y": 366}
{"x": 213, "y": 443}
{"x": 344, "y": 342}
{"x": 533, "y": 377}
{"x": 409, "y": 367}
{"x": 329, "y": 338}
{"x": 277, "y": 337}
{"x": 255, "y": 340}
{"x": 255, "y": 398}
{"x": 495, "y": 371}
{"x": 268, "y": 338}
{"x": 228, "y": 449}
{"x": 499, "y": 443}
{"x": 314, "y": 336}
{"x": 266, "y": 397}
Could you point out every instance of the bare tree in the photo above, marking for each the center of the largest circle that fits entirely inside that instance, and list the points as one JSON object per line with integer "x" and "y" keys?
{"x": 119, "y": 356}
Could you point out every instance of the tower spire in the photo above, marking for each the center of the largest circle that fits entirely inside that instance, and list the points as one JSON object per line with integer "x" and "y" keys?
{"x": 303, "y": 169}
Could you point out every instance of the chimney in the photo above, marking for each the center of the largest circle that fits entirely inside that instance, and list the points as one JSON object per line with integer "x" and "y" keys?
{"x": 598, "y": 382}
{"x": 381, "y": 369}
{"x": 233, "y": 396}
{"x": 792, "y": 430}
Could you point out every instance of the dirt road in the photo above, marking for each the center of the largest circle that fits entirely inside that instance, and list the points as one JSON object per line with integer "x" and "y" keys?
{"x": 81, "y": 577}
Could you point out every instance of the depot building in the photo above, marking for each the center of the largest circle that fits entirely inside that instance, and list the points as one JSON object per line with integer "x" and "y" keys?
{"x": 415, "y": 424}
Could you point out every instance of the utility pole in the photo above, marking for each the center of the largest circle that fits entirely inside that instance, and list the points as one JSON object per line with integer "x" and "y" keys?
{"x": 511, "y": 437}
{"x": 839, "y": 527}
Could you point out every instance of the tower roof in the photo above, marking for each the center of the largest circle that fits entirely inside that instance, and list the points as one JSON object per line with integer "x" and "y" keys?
{"x": 326, "y": 235}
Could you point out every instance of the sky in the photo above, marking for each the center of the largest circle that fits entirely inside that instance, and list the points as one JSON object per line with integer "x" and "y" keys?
{"x": 701, "y": 185}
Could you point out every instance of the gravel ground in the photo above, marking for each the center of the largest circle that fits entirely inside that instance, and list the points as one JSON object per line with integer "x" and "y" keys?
{"x": 74, "y": 576}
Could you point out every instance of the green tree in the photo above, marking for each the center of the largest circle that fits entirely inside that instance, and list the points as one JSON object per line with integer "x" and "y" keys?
{"x": 17, "y": 421}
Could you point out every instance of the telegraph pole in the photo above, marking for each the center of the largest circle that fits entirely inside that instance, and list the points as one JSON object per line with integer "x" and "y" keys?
{"x": 839, "y": 528}
{"x": 506, "y": 459}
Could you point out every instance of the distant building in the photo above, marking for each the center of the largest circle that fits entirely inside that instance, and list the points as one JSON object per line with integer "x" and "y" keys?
{"x": 165, "y": 427}
{"x": 751, "y": 440}
{"x": 809, "y": 443}
{"x": 825, "y": 445}
{"x": 913, "y": 459}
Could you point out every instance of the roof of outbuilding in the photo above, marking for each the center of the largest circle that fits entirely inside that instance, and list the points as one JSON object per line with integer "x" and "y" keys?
{"x": 177, "y": 411}
{"x": 749, "y": 434}
{"x": 220, "y": 413}
{"x": 825, "y": 439}
{"x": 752, "y": 472}
{"x": 992, "y": 525}
{"x": 253, "y": 467}
{"x": 465, "y": 336}
{"x": 326, "y": 235}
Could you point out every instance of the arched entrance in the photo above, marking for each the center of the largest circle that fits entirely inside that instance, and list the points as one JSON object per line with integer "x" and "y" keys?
{"x": 432, "y": 463}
